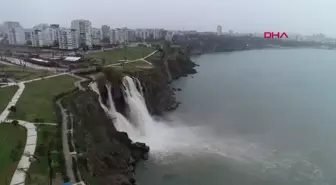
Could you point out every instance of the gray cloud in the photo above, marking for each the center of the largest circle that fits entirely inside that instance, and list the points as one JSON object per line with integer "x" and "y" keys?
{"x": 300, "y": 16}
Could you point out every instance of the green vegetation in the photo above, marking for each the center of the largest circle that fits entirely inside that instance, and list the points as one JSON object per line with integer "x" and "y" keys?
{"x": 6, "y": 95}
{"x": 48, "y": 154}
{"x": 22, "y": 73}
{"x": 12, "y": 142}
{"x": 131, "y": 53}
{"x": 36, "y": 100}
{"x": 137, "y": 64}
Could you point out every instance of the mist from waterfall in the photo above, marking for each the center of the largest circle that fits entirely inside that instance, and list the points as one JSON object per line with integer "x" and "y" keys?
{"x": 167, "y": 138}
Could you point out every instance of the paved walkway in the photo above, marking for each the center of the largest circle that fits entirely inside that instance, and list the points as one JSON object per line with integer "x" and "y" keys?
{"x": 131, "y": 61}
{"x": 78, "y": 83}
{"x": 15, "y": 98}
{"x": 19, "y": 175}
{"x": 66, "y": 151}
{"x": 37, "y": 79}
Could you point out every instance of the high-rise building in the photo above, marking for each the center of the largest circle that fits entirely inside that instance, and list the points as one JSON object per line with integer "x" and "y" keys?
{"x": 28, "y": 35}
{"x": 37, "y": 38}
{"x": 49, "y": 35}
{"x": 158, "y": 34}
{"x": 54, "y": 26}
{"x": 219, "y": 30}
{"x": 96, "y": 36}
{"x": 15, "y": 33}
{"x": 41, "y": 26}
{"x": 105, "y": 30}
{"x": 113, "y": 37}
{"x": 84, "y": 32}
{"x": 67, "y": 39}
{"x": 169, "y": 35}
{"x": 130, "y": 35}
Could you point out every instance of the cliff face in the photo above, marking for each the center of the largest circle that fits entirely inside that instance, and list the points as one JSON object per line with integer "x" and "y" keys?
{"x": 106, "y": 156}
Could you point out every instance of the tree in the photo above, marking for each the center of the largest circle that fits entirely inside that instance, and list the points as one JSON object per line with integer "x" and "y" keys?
{"x": 12, "y": 109}
{"x": 15, "y": 122}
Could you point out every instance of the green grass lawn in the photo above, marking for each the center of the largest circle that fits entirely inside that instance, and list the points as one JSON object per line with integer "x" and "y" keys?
{"x": 20, "y": 73}
{"x": 39, "y": 170}
{"x": 114, "y": 56}
{"x": 36, "y": 100}
{"x": 6, "y": 95}
{"x": 10, "y": 136}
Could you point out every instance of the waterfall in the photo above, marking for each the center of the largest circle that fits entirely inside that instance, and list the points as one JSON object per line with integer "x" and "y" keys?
{"x": 165, "y": 138}
{"x": 137, "y": 109}
{"x": 120, "y": 122}
{"x": 139, "y": 86}
{"x": 110, "y": 99}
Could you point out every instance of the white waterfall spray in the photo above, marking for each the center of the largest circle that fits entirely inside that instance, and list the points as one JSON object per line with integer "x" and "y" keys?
{"x": 120, "y": 122}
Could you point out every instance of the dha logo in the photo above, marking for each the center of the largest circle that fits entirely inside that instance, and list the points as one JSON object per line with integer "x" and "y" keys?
{"x": 271, "y": 35}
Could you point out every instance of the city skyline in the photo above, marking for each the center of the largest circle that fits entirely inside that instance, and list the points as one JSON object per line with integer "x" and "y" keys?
{"x": 301, "y": 16}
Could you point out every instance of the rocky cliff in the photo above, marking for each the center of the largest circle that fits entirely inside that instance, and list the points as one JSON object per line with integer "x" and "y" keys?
{"x": 106, "y": 156}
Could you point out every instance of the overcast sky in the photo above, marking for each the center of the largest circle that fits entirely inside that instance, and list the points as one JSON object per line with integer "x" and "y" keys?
{"x": 299, "y": 16}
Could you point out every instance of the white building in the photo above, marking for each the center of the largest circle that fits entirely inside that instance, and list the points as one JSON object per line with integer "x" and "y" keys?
{"x": 37, "y": 38}
{"x": 122, "y": 35}
{"x": 169, "y": 35}
{"x": 28, "y": 35}
{"x": 67, "y": 39}
{"x": 15, "y": 32}
{"x": 10, "y": 25}
{"x": 41, "y": 26}
{"x": 219, "y": 30}
{"x": 84, "y": 32}
{"x": 96, "y": 36}
{"x": 105, "y": 30}
{"x": 113, "y": 37}
{"x": 130, "y": 36}
{"x": 158, "y": 34}
{"x": 49, "y": 35}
